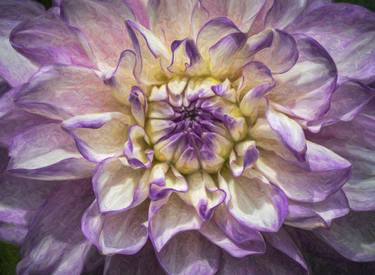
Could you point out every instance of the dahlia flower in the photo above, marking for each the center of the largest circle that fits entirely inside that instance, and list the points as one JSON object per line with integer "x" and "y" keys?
{"x": 186, "y": 136}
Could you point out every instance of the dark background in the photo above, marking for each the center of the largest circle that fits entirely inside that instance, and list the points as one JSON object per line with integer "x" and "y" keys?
{"x": 322, "y": 265}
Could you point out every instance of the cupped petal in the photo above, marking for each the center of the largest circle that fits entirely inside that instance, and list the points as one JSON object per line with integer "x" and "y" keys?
{"x": 99, "y": 136}
{"x": 60, "y": 92}
{"x": 254, "y": 201}
{"x": 321, "y": 214}
{"x": 48, "y": 40}
{"x": 151, "y": 53}
{"x": 47, "y": 152}
{"x": 289, "y": 131}
{"x": 203, "y": 194}
{"x": 352, "y": 236}
{"x": 119, "y": 187}
{"x": 168, "y": 217}
{"x": 56, "y": 228}
{"x": 185, "y": 56}
{"x": 321, "y": 175}
{"x": 347, "y": 32}
{"x": 106, "y": 18}
{"x": 122, "y": 232}
{"x": 189, "y": 253}
{"x": 242, "y": 157}
{"x": 305, "y": 90}
{"x": 137, "y": 149}
{"x": 281, "y": 55}
{"x": 138, "y": 105}
{"x": 165, "y": 179}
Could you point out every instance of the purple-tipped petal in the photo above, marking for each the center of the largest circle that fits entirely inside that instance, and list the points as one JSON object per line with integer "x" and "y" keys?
{"x": 305, "y": 91}
{"x": 168, "y": 217}
{"x": 117, "y": 186}
{"x": 189, "y": 253}
{"x": 57, "y": 228}
{"x": 282, "y": 53}
{"x": 47, "y": 152}
{"x": 322, "y": 174}
{"x": 321, "y": 214}
{"x": 99, "y": 136}
{"x": 48, "y": 40}
{"x": 347, "y": 32}
{"x": 116, "y": 233}
{"x": 253, "y": 201}
{"x": 284, "y": 13}
{"x": 289, "y": 132}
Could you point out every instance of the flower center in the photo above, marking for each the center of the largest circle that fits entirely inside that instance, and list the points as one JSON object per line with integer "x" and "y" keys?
{"x": 191, "y": 126}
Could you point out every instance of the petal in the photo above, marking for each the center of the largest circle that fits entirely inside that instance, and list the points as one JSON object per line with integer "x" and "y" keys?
{"x": 58, "y": 247}
{"x": 184, "y": 56}
{"x": 116, "y": 233}
{"x": 285, "y": 12}
{"x": 164, "y": 180}
{"x": 214, "y": 234}
{"x": 322, "y": 174}
{"x": 352, "y": 236}
{"x": 60, "y": 92}
{"x": 144, "y": 262}
{"x": 93, "y": 17}
{"x": 47, "y": 152}
{"x": 168, "y": 217}
{"x": 189, "y": 253}
{"x": 347, "y": 32}
{"x": 289, "y": 132}
{"x": 21, "y": 198}
{"x": 119, "y": 187}
{"x": 99, "y": 136}
{"x": 203, "y": 194}
{"x": 305, "y": 90}
{"x": 137, "y": 149}
{"x": 138, "y": 105}
{"x": 348, "y": 100}
{"x": 321, "y": 214}
{"x": 243, "y": 157}
{"x": 48, "y": 40}
{"x": 165, "y": 14}
{"x": 284, "y": 243}
{"x": 253, "y": 201}
{"x": 150, "y": 52}
{"x": 15, "y": 68}
{"x": 282, "y": 53}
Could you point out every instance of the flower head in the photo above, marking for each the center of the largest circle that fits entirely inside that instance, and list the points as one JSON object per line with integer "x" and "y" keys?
{"x": 195, "y": 134}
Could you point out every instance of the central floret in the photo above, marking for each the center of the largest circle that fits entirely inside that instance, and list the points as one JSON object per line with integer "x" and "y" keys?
{"x": 193, "y": 125}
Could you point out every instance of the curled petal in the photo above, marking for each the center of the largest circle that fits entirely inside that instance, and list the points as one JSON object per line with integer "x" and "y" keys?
{"x": 138, "y": 105}
{"x": 184, "y": 56}
{"x": 116, "y": 233}
{"x": 322, "y": 174}
{"x": 137, "y": 150}
{"x": 118, "y": 186}
{"x": 253, "y": 201}
{"x": 305, "y": 90}
{"x": 99, "y": 136}
{"x": 203, "y": 194}
{"x": 289, "y": 131}
{"x": 242, "y": 157}
{"x": 321, "y": 214}
{"x": 164, "y": 180}
{"x": 168, "y": 217}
